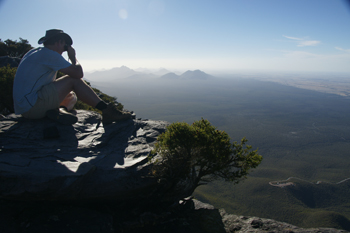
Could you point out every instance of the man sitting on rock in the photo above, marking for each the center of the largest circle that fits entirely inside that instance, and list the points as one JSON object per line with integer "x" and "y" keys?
{"x": 37, "y": 93}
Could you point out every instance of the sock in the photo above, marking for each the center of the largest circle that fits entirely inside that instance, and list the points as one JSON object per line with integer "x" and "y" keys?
{"x": 101, "y": 105}
{"x": 65, "y": 108}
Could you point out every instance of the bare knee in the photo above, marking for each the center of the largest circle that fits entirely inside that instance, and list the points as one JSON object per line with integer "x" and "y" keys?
{"x": 69, "y": 101}
{"x": 68, "y": 79}
{"x": 83, "y": 91}
{"x": 68, "y": 83}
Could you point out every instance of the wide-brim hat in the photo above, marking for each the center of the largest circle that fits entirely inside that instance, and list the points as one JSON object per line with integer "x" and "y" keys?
{"x": 53, "y": 33}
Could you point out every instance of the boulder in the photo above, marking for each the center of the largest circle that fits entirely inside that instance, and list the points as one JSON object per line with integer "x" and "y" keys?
{"x": 43, "y": 160}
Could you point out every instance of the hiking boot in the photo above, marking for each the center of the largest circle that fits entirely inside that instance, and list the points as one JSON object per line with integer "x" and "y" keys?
{"x": 111, "y": 113}
{"x": 62, "y": 116}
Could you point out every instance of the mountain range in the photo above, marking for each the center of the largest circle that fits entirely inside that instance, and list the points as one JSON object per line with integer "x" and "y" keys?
{"x": 124, "y": 72}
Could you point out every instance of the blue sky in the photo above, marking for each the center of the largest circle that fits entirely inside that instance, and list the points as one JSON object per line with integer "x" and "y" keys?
{"x": 227, "y": 35}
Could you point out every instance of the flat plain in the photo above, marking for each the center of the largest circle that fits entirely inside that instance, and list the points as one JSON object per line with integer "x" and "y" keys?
{"x": 301, "y": 129}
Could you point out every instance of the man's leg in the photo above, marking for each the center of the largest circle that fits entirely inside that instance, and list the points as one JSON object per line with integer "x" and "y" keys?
{"x": 110, "y": 113}
{"x": 69, "y": 101}
{"x": 66, "y": 84}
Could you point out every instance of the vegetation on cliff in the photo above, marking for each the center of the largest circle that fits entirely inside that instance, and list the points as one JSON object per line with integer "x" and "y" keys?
{"x": 14, "y": 48}
{"x": 202, "y": 153}
{"x": 7, "y": 75}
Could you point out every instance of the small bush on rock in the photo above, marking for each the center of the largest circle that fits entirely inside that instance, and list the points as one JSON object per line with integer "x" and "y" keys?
{"x": 201, "y": 153}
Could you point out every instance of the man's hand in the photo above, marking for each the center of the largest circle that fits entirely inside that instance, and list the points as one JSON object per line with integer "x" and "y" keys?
{"x": 74, "y": 71}
{"x": 71, "y": 55}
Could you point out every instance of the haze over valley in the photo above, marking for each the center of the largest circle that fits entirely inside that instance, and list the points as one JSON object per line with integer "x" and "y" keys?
{"x": 300, "y": 125}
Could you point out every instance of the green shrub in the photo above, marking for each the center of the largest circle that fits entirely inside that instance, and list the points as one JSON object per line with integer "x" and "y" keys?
{"x": 7, "y": 75}
{"x": 201, "y": 153}
{"x": 14, "y": 48}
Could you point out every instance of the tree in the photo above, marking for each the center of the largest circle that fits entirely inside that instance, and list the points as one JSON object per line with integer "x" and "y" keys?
{"x": 201, "y": 153}
{"x": 12, "y": 48}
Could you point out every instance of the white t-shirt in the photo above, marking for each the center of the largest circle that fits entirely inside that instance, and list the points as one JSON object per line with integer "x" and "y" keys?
{"x": 37, "y": 69}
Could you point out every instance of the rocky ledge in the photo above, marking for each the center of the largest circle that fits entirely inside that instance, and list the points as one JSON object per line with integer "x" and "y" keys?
{"x": 42, "y": 160}
{"x": 91, "y": 177}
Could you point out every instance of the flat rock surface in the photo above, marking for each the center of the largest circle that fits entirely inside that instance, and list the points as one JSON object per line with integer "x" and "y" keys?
{"x": 56, "y": 178}
{"x": 43, "y": 160}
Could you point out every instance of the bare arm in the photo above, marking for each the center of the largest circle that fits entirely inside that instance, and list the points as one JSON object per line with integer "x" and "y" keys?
{"x": 74, "y": 71}
{"x": 71, "y": 54}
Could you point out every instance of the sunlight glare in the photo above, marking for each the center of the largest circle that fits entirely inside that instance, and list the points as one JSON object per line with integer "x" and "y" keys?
{"x": 123, "y": 14}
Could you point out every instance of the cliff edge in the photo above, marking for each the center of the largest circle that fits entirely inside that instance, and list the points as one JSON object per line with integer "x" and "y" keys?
{"x": 91, "y": 177}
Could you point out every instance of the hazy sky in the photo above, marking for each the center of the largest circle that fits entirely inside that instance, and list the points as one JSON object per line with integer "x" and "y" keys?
{"x": 281, "y": 35}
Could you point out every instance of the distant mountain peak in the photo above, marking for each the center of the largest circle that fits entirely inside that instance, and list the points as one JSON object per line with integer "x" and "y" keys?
{"x": 170, "y": 75}
{"x": 112, "y": 74}
{"x": 123, "y": 72}
{"x": 125, "y": 68}
{"x": 188, "y": 75}
{"x": 196, "y": 74}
